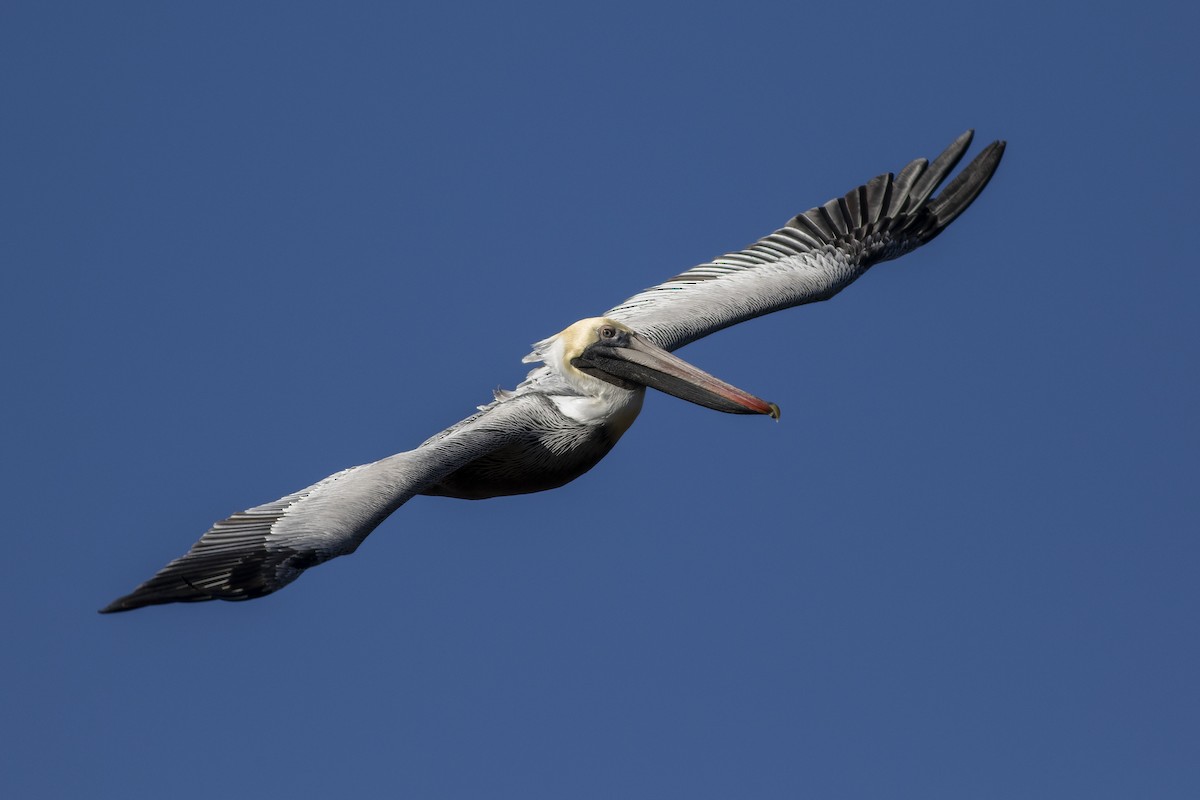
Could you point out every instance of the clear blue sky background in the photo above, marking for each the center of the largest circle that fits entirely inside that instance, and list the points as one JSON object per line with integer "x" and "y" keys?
{"x": 246, "y": 245}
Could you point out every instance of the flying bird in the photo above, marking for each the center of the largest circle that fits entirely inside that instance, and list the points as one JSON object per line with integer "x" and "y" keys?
{"x": 570, "y": 411}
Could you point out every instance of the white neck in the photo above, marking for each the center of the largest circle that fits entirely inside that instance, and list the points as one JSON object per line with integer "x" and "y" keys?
{"x": 597, "y": 401}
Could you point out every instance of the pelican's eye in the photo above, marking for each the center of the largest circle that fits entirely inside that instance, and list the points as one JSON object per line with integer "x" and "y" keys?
{"x": 608, "y": 332}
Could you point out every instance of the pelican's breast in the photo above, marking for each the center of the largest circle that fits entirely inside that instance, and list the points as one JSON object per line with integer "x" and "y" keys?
{"x": 615, "y": 411}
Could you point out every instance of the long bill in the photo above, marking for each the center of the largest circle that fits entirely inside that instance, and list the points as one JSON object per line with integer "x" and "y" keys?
{"x": 646, "y": 364}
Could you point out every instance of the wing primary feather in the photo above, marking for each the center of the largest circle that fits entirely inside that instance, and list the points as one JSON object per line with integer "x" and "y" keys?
{"x": 833, "y": 215}
{"x": 939, "y": 169}
{"x": 903, "y": 183}
{"x": 820, "y": 216}
{"x": 876, "y": 192}
{"x": 816, "y": 224}
{"x": 964, "y": 188}
{"x": 852, "y": 208}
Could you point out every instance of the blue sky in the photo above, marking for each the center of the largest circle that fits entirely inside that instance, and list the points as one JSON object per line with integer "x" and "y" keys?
{"x": 247, "y": 245}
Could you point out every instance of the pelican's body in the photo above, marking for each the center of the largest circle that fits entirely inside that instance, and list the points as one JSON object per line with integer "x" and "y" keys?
{"x": 570, "y": 411}
{"x": 578, "y": 422}
{"x": 559, "y": 450}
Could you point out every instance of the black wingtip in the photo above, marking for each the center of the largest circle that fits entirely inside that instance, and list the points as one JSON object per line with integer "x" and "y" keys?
{"x": 966, "y": 186}
{"x": 941, "y": 166}
{"x": 133, "y": 601}
{"x": 125, "y": 603}
{"x": 157, "y": 592}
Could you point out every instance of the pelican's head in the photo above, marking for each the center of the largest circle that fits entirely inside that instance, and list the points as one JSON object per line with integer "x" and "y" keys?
{"x": 599, "y": 352}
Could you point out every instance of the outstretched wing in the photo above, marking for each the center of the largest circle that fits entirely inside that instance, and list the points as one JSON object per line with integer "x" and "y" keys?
{"x": 257, "y": 551}
{"x": 814, "y": 256}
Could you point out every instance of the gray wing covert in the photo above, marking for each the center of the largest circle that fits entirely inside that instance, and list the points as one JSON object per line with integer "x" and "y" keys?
{"x": 816, "y": 254}
{"x": 260, "y": 550}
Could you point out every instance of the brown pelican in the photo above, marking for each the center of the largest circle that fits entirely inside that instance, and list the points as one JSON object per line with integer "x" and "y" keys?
{"x": 571, "y": 410}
